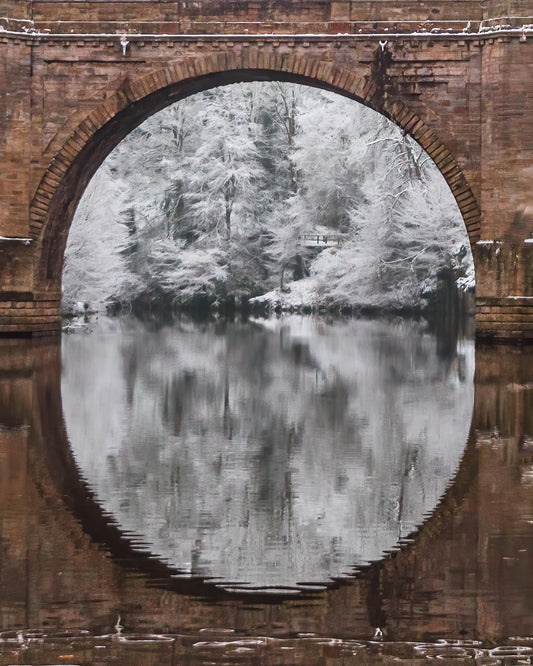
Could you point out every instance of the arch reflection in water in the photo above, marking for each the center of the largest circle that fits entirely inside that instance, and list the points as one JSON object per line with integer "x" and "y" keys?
{"x": 267, "y": 453}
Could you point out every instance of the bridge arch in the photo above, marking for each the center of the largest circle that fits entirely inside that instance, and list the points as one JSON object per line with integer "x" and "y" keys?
{"x": 56, "y": 198}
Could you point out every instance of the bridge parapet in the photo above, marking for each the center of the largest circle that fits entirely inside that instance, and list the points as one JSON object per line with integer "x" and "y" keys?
{"x": 205, "y": 26}
{"x": 263, "y": 16}
{"x": 263, "y": 11}
{"x": 238, "y": 16}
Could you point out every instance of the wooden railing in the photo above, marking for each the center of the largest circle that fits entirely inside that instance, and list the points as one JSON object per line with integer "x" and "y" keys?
{"x": 321, "y": 240}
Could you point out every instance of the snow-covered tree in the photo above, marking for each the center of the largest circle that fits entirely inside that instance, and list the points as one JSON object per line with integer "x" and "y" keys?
{"x": 95, "y": 269}
{"x": 209, "y": 200}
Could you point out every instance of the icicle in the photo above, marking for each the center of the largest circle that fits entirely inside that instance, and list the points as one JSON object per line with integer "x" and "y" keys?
{"x": 124, "y": 43}
{"x": 118, "y": 627}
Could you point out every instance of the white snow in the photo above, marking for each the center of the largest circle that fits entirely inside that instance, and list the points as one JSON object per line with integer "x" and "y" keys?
{"x": 299, "y": 294}
{"x": 13, "y": 239}
{"x": 464, "y": 30}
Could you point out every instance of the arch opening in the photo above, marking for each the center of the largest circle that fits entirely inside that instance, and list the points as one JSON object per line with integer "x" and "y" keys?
{"x": 106, "y": 126}
{"x": 102, "y": 142}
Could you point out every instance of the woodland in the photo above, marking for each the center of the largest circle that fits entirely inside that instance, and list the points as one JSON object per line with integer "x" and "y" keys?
{"x": 267, "y": 196}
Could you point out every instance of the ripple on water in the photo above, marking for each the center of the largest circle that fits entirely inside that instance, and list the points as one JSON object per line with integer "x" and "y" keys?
{"x": 147, "y": 649}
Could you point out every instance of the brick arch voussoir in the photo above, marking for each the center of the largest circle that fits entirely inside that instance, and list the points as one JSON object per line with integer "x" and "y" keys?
{"x": 412, "y": 124}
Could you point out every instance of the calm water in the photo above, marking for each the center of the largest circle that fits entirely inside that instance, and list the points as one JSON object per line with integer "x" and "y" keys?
{"x": 275, "y": 491}
{"x": 267, "y": 453}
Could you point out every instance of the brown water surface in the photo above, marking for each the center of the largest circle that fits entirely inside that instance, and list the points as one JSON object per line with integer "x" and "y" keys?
{"x": 94, "y": 513}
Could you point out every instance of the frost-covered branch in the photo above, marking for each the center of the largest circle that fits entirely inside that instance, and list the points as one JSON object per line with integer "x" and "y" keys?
{"x": 231, "y": 181}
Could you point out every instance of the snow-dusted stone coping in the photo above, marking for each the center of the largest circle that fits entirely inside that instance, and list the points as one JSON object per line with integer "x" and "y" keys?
{"x": 498, "y": 242}
{"x": 11, "y": 239}
{"x": 516, "y": 32}
{"x": 509, "y": 26}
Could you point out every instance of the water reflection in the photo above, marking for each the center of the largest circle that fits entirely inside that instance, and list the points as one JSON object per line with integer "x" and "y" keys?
{"x": 267, "y": 453}
{"x": 64, "y": 565}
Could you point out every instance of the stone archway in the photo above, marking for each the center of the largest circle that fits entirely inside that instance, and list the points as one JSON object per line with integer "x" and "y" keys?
{"x": 54, "y": 203}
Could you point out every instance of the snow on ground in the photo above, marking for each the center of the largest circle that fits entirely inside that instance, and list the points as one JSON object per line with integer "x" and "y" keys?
{"x": 297, "y": 295}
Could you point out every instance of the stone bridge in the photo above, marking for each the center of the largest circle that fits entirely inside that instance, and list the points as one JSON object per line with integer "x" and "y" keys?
{"x": 76, "y": 77}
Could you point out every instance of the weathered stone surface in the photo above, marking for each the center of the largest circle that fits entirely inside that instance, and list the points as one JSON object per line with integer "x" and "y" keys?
{"x": 70, "y": 94}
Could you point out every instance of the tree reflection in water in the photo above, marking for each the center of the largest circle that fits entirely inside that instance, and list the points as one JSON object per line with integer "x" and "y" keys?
{"x": 267, "y": 453}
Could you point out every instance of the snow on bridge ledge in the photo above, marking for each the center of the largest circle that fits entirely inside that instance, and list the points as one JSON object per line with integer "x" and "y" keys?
{"x": 517, "y": 26}
{"x": 13, "y": 239}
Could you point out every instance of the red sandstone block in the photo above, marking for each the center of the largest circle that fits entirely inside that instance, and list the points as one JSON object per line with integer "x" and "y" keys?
{"x": 463, "y": 194}
{"x": 468, "y": 205}
{"x": 31, "y": 320}
{"x": 413, "y": 124}
{"x": 39, "y": 204}
{"x": 448, "y": 167}
{"x": 471, "y": 216}
{"x": 517, "y": 320}
{"x": 432, "y": 144}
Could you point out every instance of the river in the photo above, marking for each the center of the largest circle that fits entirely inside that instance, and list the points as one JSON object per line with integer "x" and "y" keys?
{"x": 286, "y": 490}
